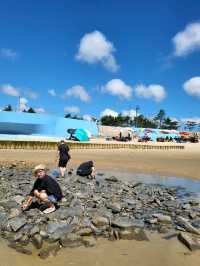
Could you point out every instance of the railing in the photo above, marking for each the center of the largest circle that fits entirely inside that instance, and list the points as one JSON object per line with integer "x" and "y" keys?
{"x": 44, "y": 145}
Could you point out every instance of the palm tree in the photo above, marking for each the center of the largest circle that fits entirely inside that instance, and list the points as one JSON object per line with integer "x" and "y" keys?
{"x": 160, "y": 117}
{"x": 8, "y": 108}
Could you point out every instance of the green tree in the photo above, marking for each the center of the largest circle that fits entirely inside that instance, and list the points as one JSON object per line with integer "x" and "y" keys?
{"x": 122, "y": 121}
{"x": 108, "y": 120}
{"x": 8, "y": 108}
{"x": 169, "y": 124}
{"x": 68, "y": 115}
{"x": 160, "y": 117}
{"x": 142, "y": 121}
{"x": 31, "y": 110}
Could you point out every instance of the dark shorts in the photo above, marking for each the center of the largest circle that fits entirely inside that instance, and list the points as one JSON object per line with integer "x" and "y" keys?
{"x": 63, "y": 162}
{"x": 52, "y": 198}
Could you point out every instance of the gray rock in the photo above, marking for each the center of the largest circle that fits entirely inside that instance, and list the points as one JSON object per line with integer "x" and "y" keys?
{"x": 188, "y": 227}
{"x": 163, "y": 228}
{"x": 17, "y": 223}
{"x": 111, "y": 179}
{"x": 44, "y": 234}
{"x": 85, "y": 231}
{"x": 89, "y": 241}
{"x": 115, "y": 207}
{"x": 140, "y": 235}
{"x": 127, "y": 223}
{"x": 56, "y": 231}
{"x": 64, "y": 213}
{"x": 152, "y": 221}
{"x": 37, "y": 241}
{"x": 18, "y": 236}
{"x": 14, "y": 213}
{"x": 24, "y": 240}
{"x": 126, "y": 234}
{"x": 71, "y": 240}
{"x": 196, "y": 223}
{"x": 20, "y": 249}
{"x": 191, "y": 241}
{"x": 10, "y": 204}
{"x": 3, "y": 219}
{"x": 162, "y": 218}
{"x": 170, "y": 235}
{"x": 100, "y": 221}
{"x": 19, "y": 199}
{"x": 192, "y": 215}
{"x": 50, "y": 251}
{"x": 34, "y": 230}
{"x": 186, "y": 206}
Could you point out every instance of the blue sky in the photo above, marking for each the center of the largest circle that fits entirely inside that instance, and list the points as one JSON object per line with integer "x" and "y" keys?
{"x": 94, "y": 57}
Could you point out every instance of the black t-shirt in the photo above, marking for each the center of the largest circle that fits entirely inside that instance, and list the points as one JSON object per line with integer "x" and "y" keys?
{"x": 48, "y": 184}
{"x": 85, "y": 168}
{"x": 63, "y": 151}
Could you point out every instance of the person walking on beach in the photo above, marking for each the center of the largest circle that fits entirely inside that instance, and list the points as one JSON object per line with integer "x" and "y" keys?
{"x": 63, "y": 157}
{"x": 45, "y": 189}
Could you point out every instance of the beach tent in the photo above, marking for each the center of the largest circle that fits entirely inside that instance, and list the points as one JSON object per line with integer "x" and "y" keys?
{"x": 88, "y": 133}
{"x": 81, "y": 134}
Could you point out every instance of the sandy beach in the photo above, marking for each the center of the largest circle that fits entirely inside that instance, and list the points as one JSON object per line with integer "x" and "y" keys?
{"x": 180, "y": 163}
{"x": 157, "y": 251}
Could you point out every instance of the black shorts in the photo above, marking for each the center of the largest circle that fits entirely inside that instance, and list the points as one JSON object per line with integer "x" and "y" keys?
{"x": 63, "y": 162}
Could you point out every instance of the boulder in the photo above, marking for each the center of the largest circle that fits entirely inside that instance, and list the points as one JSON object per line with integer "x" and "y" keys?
{"x": 17, "y": 223}
{"x": 127, "y": 223}
{"x": 71, "y": 240}
{"x": 162, "y": 218}
{"x": 190, "y": 241}
{"x": 181, "y": 221}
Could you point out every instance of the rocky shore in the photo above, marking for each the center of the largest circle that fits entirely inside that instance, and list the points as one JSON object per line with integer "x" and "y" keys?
{"x": 91, "y": 209}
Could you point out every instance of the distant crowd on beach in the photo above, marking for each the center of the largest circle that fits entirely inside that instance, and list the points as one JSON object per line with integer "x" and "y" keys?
{"x": 182, "y": 137}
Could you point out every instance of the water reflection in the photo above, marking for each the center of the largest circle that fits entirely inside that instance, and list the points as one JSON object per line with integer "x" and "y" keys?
{"x": 190, "y": 185}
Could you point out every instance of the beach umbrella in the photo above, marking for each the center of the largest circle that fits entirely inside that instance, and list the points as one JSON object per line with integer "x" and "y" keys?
{"x": 81, "y": 134}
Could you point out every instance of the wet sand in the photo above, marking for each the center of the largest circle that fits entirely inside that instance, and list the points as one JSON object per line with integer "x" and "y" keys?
{"x": 155, "y": 252}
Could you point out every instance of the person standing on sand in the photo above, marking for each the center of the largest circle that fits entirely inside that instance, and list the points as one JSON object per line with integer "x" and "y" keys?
{"x": 45, "y": 189}
{"x": 63, "y": 157}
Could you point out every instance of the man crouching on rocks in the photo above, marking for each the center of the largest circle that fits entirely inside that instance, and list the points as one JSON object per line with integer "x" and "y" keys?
{"x": 45, "y": 189}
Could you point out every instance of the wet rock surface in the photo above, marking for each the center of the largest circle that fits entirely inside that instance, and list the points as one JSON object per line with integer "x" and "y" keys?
{"x": 105, "y": 207}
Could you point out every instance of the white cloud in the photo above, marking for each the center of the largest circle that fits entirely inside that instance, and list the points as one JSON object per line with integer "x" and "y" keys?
{"x": 108, "y": 111}
{"x": 40, "y": 110}
{"x": 87, "y": 117}
{"x": 23, "y": 104}
{"x": 72, "y": 109}
{"x": 52, "y": 92}
{"x": 192, "y": 86}
{"x": 131, "y": 113}
{"x": 10, "y": 90}
{"x": 31, "y": 94}
{"x": 95, "y": 48}
{"x": 188, "y": 40}
{"x": 154, "y": 91}
{"x": 78, "y": 92}
{"x": 117, "y": 87}
{"x": 8, "y": 54}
